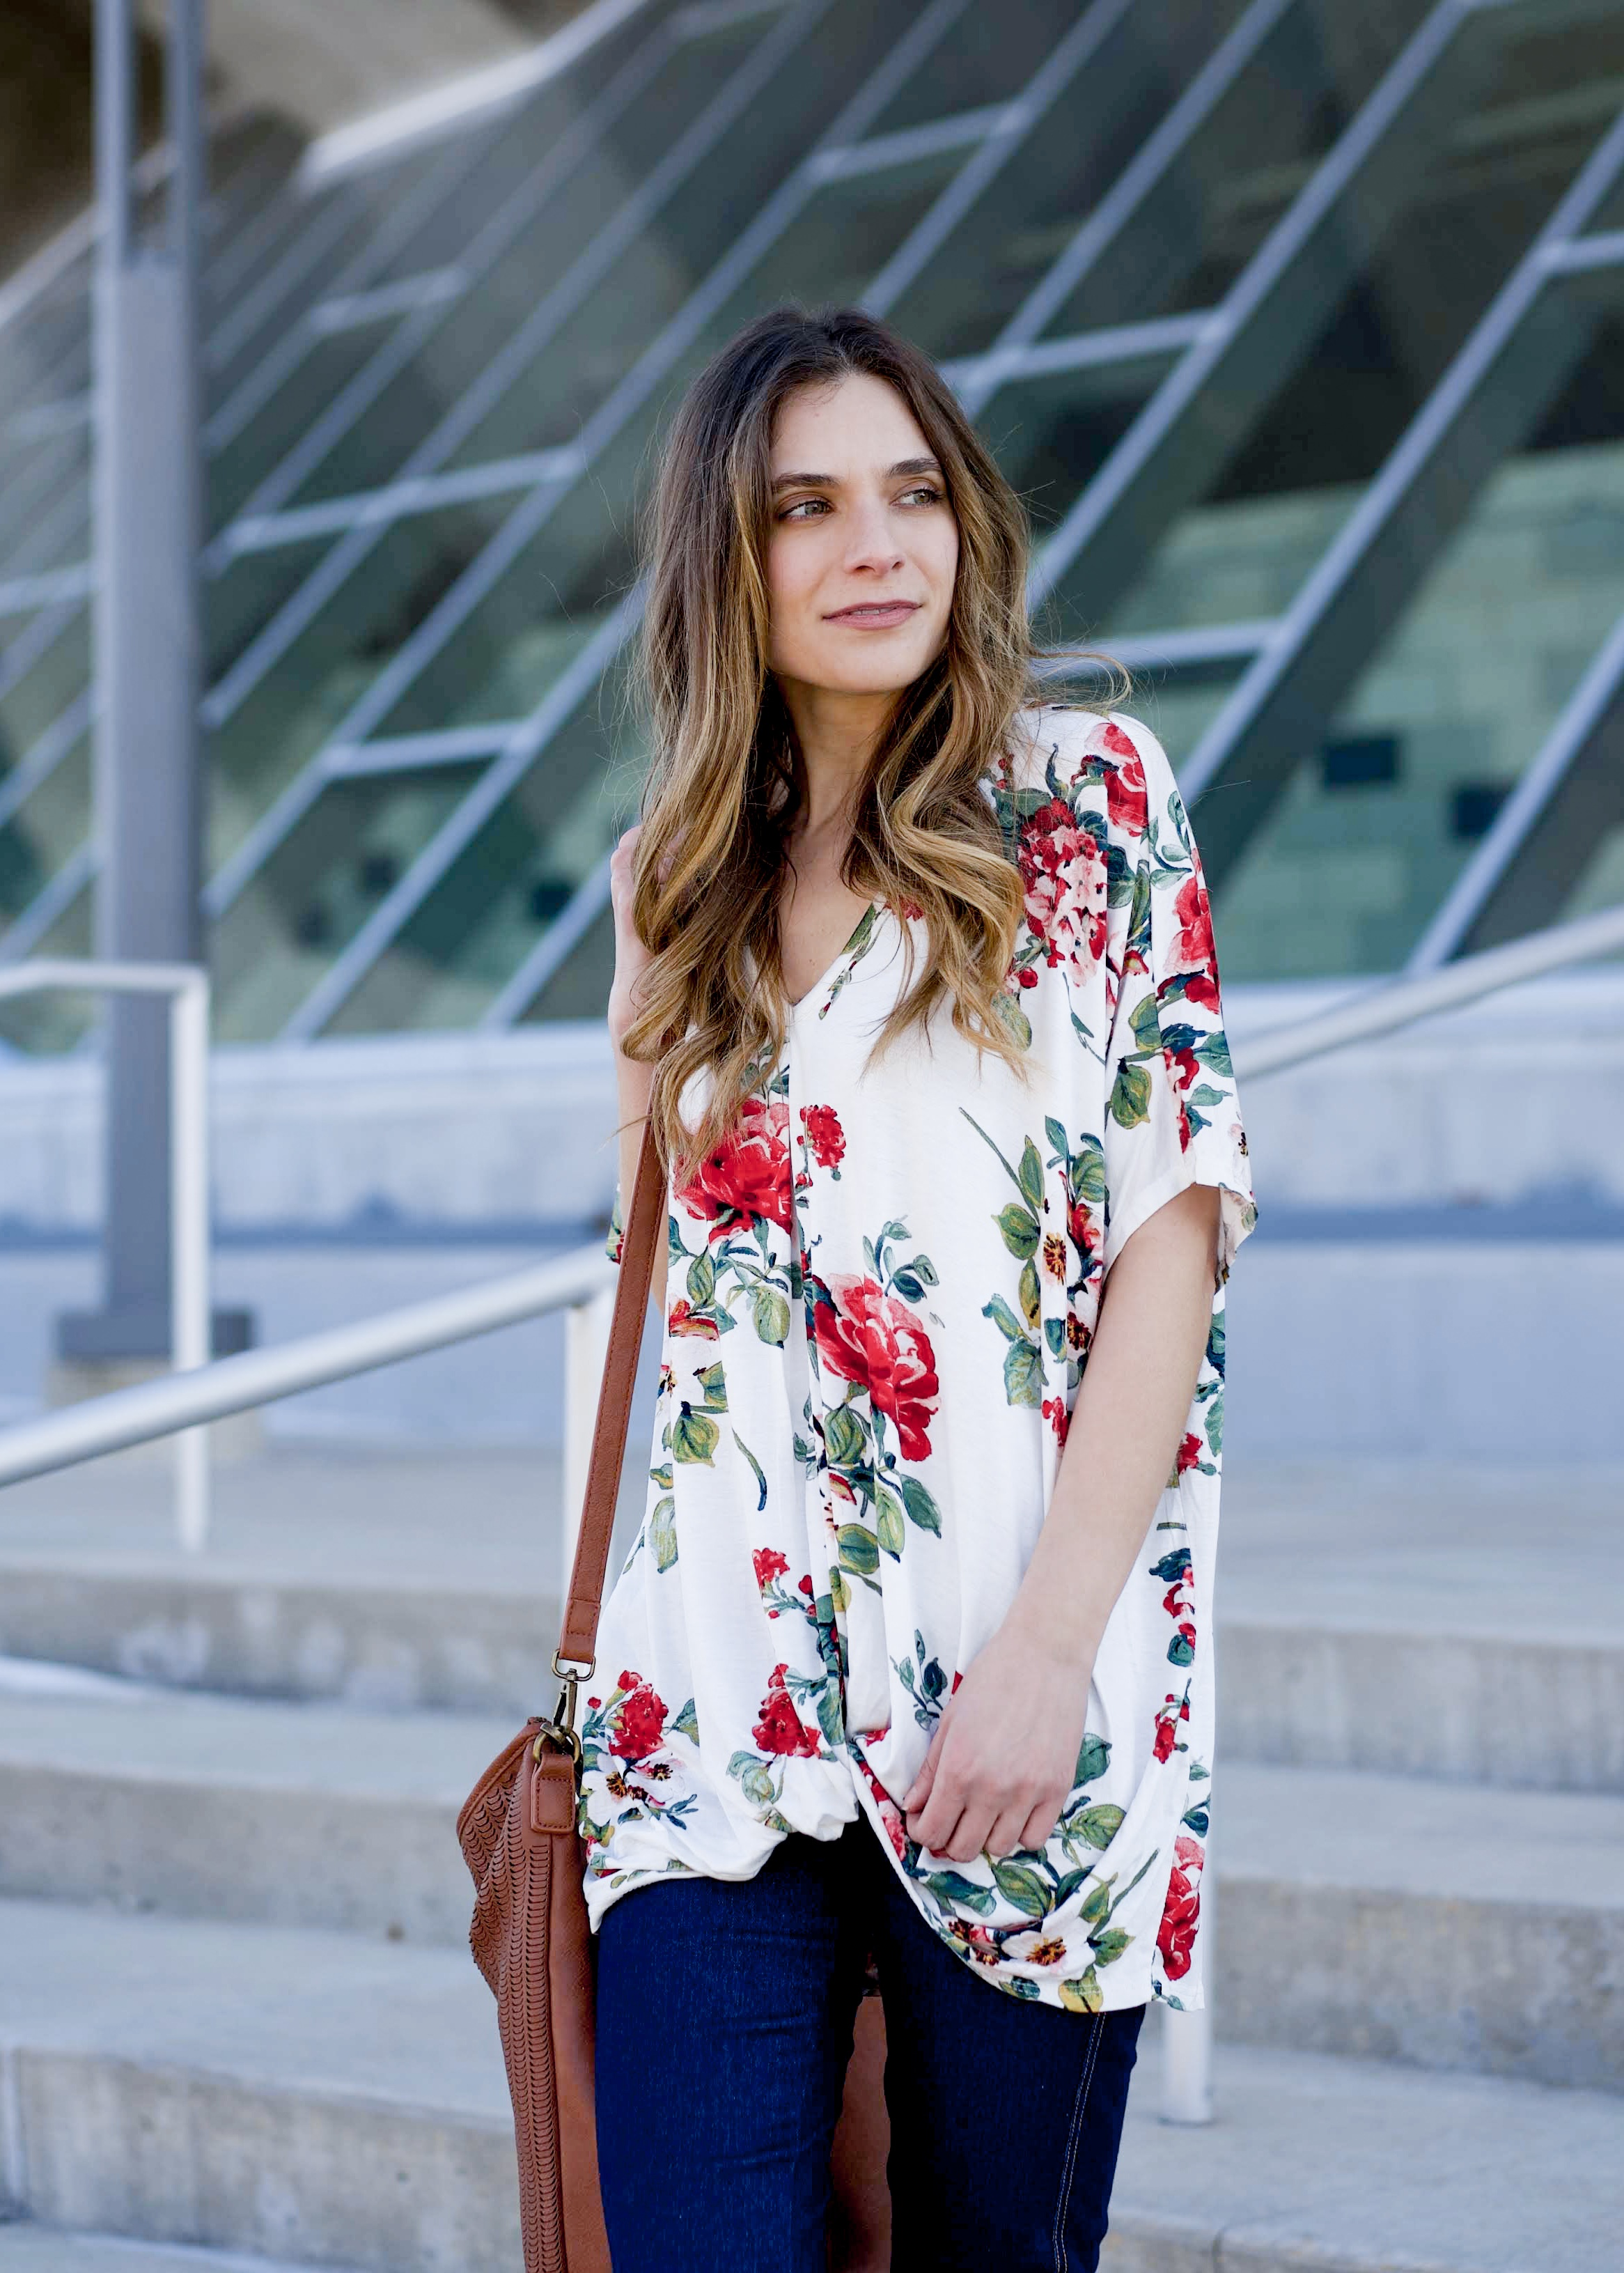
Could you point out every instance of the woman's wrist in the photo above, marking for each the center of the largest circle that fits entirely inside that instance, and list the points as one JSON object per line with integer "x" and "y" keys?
{"x": 1051, "y": 1625}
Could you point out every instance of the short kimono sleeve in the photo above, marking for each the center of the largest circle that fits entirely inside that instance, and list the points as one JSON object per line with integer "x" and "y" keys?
{"x": 1173, "y": 1115}
{"x": 617, "y": 1232}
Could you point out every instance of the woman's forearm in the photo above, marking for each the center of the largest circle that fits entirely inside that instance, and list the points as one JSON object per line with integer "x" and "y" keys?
{"x": 1125, "y": 1427}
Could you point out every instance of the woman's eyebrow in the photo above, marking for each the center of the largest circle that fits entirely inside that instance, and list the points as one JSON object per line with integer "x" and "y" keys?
{"x": 832, "y": 481}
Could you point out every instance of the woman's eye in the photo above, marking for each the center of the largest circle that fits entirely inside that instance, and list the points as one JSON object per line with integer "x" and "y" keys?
{"x": 807, "y": 510}
{"x": 926, "y": 494}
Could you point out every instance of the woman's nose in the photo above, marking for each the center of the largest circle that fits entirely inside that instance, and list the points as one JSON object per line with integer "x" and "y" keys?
{"x": 874, "y": 542}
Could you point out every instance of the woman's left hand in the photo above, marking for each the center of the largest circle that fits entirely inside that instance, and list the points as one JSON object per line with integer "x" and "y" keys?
{"x": 1003, "y": 1759}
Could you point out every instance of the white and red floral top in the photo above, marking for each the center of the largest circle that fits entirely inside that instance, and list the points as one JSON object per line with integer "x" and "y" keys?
{"x": 881, "y": 1298}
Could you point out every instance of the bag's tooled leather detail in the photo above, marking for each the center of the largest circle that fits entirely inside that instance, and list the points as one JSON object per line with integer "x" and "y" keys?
{"x": 530, "y": 1935}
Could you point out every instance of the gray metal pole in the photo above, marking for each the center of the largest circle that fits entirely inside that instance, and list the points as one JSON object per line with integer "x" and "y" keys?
{"x": 147, "y": 660}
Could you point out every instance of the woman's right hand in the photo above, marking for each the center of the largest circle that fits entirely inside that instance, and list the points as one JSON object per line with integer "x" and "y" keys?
{"x": 632, "y": 958}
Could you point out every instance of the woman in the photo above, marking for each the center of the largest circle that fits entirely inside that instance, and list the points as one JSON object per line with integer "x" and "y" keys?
{"x": 911, "y": 1660}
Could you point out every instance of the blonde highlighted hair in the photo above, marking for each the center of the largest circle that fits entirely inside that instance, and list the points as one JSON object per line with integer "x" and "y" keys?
{"x": 727, "y": 781}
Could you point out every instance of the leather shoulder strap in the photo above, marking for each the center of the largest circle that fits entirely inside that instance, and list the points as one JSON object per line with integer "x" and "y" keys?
{"x": 643, "y": 1228}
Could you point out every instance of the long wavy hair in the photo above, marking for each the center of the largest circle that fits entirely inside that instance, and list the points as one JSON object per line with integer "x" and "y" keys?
{"x": 728, "y": 780}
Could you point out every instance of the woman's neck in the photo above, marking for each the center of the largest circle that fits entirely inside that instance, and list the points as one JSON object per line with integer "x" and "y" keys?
{"x": 838, "y": 734}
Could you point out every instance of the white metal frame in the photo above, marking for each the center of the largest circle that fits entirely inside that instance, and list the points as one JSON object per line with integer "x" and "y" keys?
{"x": 187, "y": 987}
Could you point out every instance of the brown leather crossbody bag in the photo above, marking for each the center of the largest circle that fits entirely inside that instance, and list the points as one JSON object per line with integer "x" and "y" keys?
{"x": 530, "y": 1937}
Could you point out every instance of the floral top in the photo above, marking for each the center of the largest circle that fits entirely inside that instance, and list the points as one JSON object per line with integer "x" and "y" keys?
{"x": 882, "y": 1292}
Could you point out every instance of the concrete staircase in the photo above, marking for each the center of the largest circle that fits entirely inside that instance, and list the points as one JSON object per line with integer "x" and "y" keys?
{"x": 237, "y": 2014}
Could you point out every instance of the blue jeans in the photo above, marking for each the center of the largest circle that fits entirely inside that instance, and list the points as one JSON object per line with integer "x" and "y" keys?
{"x": 724, "y": 2019}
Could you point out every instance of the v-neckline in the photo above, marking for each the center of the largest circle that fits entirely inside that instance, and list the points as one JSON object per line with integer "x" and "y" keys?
{"x": 825, "y": 978}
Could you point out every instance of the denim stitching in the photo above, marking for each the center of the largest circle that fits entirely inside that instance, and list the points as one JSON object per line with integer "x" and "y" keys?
{"x": 1069, "y": 2169}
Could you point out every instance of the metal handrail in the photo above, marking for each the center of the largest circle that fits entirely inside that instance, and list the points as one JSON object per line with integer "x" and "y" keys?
{"x": 260, "y": 1376}
{"x": 1384, "y": 1009}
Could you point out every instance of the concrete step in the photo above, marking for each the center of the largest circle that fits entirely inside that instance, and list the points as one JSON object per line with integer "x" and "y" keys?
{"x": 1496, "y": 1706}
{"x": 1322, "y": 2165}
{"x": 384, "y": 1643}
{"x": 222, "y": 1807}
{"x": 1390, "y": 1684}
{"x": 1452, "y": 1926}
{"x": 316, "y": 2100}
{"x": 311, "y": 2098}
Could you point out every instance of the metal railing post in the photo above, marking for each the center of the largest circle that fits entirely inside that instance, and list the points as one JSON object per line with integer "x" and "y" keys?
{"x": 191, "y": 1315}
{"x": 189, "y": 1220}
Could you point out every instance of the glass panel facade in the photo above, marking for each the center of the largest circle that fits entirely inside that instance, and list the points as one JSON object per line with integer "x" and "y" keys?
{"x": 1200, "y": 291}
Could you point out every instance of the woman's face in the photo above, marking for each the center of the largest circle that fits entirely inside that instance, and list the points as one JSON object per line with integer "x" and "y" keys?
{"x": 863, "y": 546}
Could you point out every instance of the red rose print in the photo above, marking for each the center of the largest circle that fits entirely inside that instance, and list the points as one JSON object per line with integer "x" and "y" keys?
{"x": 804, "y": 1586}
{"x": 1126, "y": 801}
{"x": 1056, "y": 1414}
{"x": 1176, "y": 1935}
{"x": 824, "y": 1134}
{"x": 770, "y": 1565}
{"x": 1189, "y": 1454}
{"x": 1196, "y": 954}
{"x": 748, "y": 1174}
{"x": 1063, "y": 870}
{"x": 867, "y": 1336}
{"x": 639, "y": 1719}
{"x": 780, "y": 1728}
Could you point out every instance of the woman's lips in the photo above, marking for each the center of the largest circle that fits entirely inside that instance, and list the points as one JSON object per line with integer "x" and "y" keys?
{"x": 875, "y": 615}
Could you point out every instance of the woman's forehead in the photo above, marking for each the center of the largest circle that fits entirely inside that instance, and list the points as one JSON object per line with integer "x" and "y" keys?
{"x": 859, "y": 420}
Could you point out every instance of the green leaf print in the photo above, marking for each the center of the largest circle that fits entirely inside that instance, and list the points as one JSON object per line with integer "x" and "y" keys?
{"x": 1030, "y": 1175}
{"x": 1096, "y": 1906}
{"x": 1088, "y": 1172}
{"x": 858, "y": 1550}
{"x": 687, "y": 1723}
{"x": 694, "y": 1436}
{"x": 1023, "y": 1373}
{"x": 1180, "y": 1651}
{"x": 1083, "y": 1995}
{"x": 1130, "y": 1096}
{"x": 1109, "y": 1945}
{"x": 1054, "y": 1335}
{"x": 1203, "y": 1093}
{"x": 844, "y": 1437}
{"x": 756, "y": 1465}
{"x": 1100, "y": 1824}
{"x": 1055, "y": 1131}
{"x": 1031, "y": 1296}
{"x": 1004, "y": 1318}
{"x": 922, "y": 1508}
{"x": 888, "y": 1525}
{"x": 1093, "y": 1759}
{"x": 953, "y": 1891}
{"x": 701, "y": 1279}
{"x": 1013, "y": 1017}
{"x": 662, "y": 1533}
{"x": 714, "y": 1382}
{"x": 755, "y": 1778}
{"x": 1020, "y": 1230}
{"x": 771, "y": 1314}
{"x": 830, "y": 1718}
{"x": 1021, "y": 1884}
{"x": 1214, "y": 1053}
{"x": 1146, "y": 1024}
